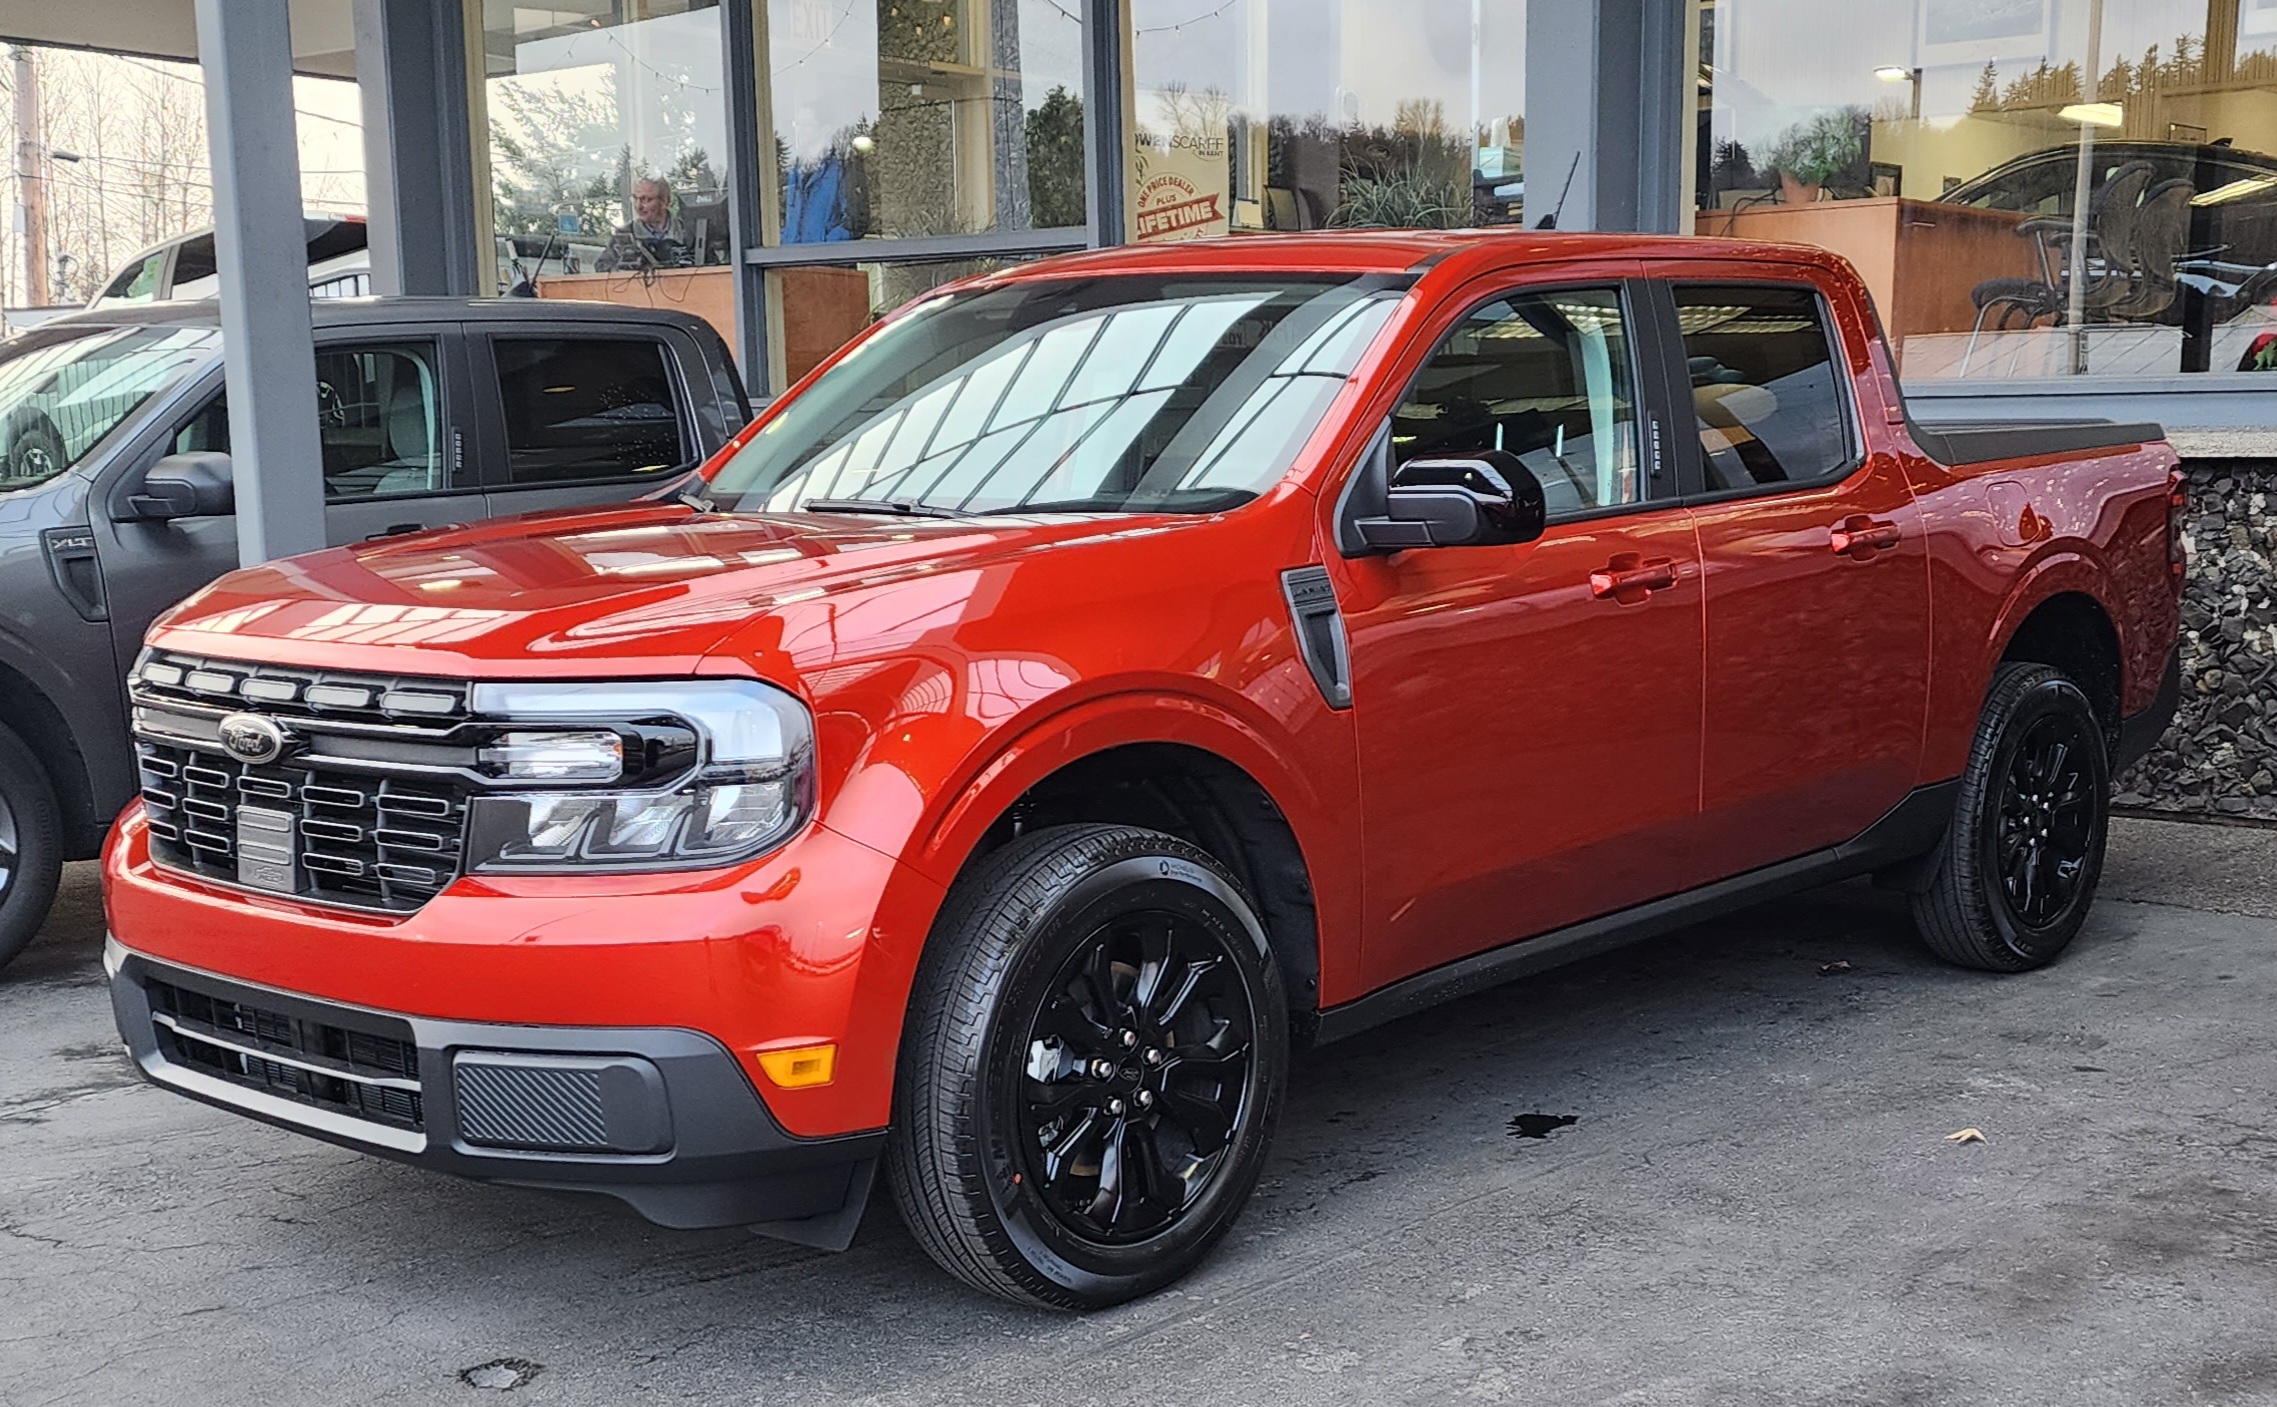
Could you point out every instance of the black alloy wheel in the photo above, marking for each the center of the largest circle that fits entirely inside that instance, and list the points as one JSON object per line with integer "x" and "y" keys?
{"x": 2015, "y": 874}
{"x": 1094, "y": 1058}
{"x": 1135, "y": 1079}
{"x": 31, "y": 845}
{"x": 2046, "y": 821}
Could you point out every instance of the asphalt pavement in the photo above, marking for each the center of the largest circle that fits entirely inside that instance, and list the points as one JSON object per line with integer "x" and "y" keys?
{"x": 1756, "y": 1201}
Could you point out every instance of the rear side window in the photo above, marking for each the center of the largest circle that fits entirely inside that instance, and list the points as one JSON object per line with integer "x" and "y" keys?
{"x": 588, "y": 409}
{"x": 138, "y": 282}
{"x": 1764, "y": 390}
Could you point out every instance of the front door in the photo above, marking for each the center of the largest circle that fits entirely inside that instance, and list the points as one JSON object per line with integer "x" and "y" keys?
{"x": 1817, "y": 581}
{"x": 390, "y": 465}
{"x": 1528, "y": 716}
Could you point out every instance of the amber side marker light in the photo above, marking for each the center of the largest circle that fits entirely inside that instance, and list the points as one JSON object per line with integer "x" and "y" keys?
{"x": 800, "y": 1066}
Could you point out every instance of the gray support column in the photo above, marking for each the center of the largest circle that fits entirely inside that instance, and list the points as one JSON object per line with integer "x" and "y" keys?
{"x": 1606, "y": 102}
{"x": 750, "y": 166}
{"x": 1106, "y": 137}
{"x": 418, "y": 149}
{"x": 269, "y": 355}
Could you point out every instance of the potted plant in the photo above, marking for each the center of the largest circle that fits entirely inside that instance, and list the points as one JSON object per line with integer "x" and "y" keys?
{"x": 1819, "y": 149}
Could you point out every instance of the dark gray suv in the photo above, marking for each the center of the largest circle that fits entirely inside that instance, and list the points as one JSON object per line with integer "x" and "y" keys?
{"x": 116, "y": 498}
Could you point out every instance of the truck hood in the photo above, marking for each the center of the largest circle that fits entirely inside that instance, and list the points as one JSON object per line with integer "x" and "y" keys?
{"x": 650, "y": 587}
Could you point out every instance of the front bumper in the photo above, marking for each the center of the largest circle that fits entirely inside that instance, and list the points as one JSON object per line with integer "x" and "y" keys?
{"x": 660, "y": 1118}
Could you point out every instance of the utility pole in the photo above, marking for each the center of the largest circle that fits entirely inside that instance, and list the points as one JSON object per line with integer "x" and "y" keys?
{"x": 31, "y": 183}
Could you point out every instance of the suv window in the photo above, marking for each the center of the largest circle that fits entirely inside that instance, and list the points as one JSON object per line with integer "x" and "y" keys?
{"x": 1764, "y": 392}
{"x": 1547, "y": 376}
{"x": 379, "y": 418}
{"x": 138, "y": 282}
{"x": 587, "y": 409}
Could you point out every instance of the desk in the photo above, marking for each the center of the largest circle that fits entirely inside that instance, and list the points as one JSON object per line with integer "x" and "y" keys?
{"x": 1919, "y": 257}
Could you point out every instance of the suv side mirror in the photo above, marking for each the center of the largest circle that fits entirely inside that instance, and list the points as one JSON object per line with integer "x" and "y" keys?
{"x": 198, "y": 485}
{"x": 1474, "y": 501}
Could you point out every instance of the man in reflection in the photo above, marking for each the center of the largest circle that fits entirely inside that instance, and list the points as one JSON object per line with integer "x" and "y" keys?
{"x": 656, "y": 237}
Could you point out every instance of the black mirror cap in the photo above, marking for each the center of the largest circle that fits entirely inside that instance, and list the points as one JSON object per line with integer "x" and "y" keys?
{"x": 193, "y": 485}
{"x": 1484, "y": 499}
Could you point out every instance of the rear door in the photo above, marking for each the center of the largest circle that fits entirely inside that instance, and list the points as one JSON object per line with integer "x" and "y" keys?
{"x": 1816, "y": 572}
{"x": 572, "y": 416}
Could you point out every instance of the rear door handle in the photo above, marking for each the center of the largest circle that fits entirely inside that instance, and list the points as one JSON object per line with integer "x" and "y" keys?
{"x": 1628, "y": 578}
{"x": 1862, "y": 537}
{"x": 396, "y": 530}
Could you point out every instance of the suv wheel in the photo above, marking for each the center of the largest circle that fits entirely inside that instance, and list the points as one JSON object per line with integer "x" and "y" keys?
{"x": 2017, "y": 869}
{"x": 1093, "y": 1063}
{"x": 31, "y": 846}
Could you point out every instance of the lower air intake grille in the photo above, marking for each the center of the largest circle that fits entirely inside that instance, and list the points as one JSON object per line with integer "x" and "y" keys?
{"x": 368, "y": 1071}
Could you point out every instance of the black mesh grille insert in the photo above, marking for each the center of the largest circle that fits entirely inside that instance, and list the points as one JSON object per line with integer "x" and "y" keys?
{"x": 515, "y": 1105}
{"x": 367, "y": 1070}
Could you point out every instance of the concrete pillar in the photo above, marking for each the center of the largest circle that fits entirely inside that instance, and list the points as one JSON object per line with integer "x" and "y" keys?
{"x": 1607, "y": 107}
{"x": 418, "y": 148}
{"x": 245, "y": 48}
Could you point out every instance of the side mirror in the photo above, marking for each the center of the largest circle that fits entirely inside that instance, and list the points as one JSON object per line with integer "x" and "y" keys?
{"x": 1474, "y": 501}
{"x": 198, "y": 485}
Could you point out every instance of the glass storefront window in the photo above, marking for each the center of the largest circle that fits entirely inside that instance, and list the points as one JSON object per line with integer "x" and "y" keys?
{"x": 899, "y": 119}
{"x": 1943, "y": 146}
{"x": 1325, "y": 114}
{"x": 608, "y": 135}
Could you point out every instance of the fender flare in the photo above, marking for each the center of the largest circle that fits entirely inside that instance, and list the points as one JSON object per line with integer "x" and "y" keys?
{"x": 2063, "y": 571}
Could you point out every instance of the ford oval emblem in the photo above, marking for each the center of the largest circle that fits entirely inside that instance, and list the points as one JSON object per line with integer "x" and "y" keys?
{"x": 251, "y": 738}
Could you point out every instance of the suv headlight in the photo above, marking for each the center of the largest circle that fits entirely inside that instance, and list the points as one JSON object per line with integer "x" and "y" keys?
{"x": 747, "y": 784}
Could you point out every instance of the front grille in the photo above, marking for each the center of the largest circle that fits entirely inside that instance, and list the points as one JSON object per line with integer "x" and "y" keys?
{"x": 368, "y": 1070}
{"x": 303, "y": 826}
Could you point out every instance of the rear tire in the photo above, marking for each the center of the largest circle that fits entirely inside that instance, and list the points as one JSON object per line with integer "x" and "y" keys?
{"x": 1094, "y": 1059}
{"x": 31, "y": 846}
{"x": 2016, "y": 872}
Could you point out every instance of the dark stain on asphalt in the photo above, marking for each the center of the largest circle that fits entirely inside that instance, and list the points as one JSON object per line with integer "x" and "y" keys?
{"x": 1540, "y": 1125}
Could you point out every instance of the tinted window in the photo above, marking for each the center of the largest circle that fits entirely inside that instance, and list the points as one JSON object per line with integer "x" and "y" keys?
{"x": 194, "y": 261}
{"x": 137, "y": 282}
{"x": 587, "y": 409}
{"x": 1764, "y": 391}
{"x": 379, "y": 418}
{"x": 1545, "y": 376}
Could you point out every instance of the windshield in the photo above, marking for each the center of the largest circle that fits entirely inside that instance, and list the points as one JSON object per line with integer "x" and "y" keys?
{"x": 63, "y": 389}
{"x": 1125, "y": 394}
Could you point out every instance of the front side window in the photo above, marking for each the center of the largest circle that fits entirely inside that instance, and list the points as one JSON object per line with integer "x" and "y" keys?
{"x": 1764, "y": 388}
{"x": 379, "y": 421}
{"x": 1134, "y": 394}
{"x": 63, "y": 390}
{"x": 587, "y": 409}
{"x": 1545, "y": 376}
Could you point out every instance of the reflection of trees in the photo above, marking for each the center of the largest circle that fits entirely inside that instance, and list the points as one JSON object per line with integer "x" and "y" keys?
{"x": 556, "y": 149}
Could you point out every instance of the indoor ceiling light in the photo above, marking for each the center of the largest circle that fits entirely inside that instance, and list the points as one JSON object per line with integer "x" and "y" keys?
{"x": 2093, "y": 114}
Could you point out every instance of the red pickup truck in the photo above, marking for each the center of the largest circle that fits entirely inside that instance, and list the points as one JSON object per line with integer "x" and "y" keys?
{"x": 1100, "y": 678}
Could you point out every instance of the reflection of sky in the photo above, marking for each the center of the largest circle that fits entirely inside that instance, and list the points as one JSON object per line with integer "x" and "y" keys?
{"x": 669, "y": 63}
{"x": 824, "y": 64}
{"x": 1777, "y": 60}
{"x": 1345, "y": 60}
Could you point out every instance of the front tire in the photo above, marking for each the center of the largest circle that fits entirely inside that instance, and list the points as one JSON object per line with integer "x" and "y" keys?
{"x": 1094, "y": 1060}
{"x": 2017, "y": 869}
{"x": 31, "y": 846}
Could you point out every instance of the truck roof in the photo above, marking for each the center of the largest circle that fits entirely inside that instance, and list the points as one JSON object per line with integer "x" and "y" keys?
{"x": 1391, "y": 251}
{"x": 355, "y": 312}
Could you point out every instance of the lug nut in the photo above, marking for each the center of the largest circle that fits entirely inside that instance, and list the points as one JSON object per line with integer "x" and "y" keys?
{"x": 1129, "y": 1039}
{"x": 1145, "y": 1099}
{"x": 1102, "y": 1069}
{"x": 1114, "y": 1106}
{"x": 1151, "y": 1056}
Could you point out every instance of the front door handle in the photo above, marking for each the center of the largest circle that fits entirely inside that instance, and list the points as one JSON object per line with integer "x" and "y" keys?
{"x": 1862, "y": 537}
{"x": 1629, "y": 578}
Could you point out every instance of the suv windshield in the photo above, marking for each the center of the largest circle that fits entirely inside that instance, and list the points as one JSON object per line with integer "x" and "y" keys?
{"x": 1125, "y": 394}
{"x": 63, "y": 389}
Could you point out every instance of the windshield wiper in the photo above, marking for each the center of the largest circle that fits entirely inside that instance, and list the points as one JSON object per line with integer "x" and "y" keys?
{"x": 896, "y": 507}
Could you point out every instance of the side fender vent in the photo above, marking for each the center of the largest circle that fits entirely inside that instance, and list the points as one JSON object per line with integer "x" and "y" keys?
{"x": 1320, "y": 632}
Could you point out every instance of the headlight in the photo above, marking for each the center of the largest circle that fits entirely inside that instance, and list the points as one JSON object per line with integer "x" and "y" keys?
{"x": 748, "y": 788}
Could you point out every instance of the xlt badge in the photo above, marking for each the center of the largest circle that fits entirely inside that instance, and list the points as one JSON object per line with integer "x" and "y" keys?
{"x": 251, "y": 738}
